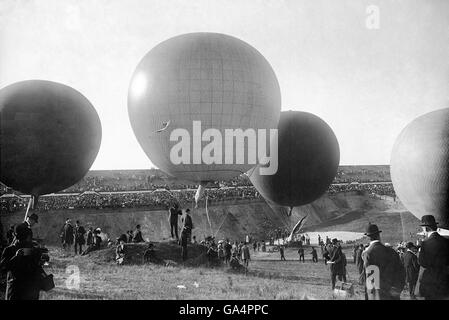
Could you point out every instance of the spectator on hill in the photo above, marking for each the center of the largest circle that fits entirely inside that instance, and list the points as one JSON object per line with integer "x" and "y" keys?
{"x": 68, "y": 235}
{"x": 186, "y": 233}
{"x": 120, "y": 251}
{"x": 130, "y": 236}
{"x": 96, "y": 244}
{"x": 174, "y": 212}
{"x": 187, "y": 224}
{"x": 138, "y": 235}
{"x": 79, "y": 237}
{"x": 90, "y": 237}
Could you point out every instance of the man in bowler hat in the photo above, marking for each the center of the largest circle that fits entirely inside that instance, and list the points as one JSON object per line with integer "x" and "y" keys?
{"x": 433, "y": 257}
{"x": 411, "y": 268}
{"x": 386, "y": 266}
{"x": 336, "y": 262}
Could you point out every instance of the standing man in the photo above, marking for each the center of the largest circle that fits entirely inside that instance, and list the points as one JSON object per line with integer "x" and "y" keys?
{"x": 227, "y": 251}
{"x": 336, "y": 262}
{"x": 90, "y": 237}
{"x": 301, "y": 254}
{"x": 385, "y": 275}
{"x": 245, "y": 255}
{"x": 30, "y": 221}
{"x": 314, "y": 255}
{"x": 67, "y": 235}
{"x": 281, "y": 251}
{"x": 79, "y": 237}
{"x": 174, "y": 212}
{"x": 186, "y": 233}
{"x": 433, "y": 257}
{"x": 411, "y": 267}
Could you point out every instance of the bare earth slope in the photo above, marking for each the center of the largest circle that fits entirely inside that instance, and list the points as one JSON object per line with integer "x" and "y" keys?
{"x": 234, "y": 219}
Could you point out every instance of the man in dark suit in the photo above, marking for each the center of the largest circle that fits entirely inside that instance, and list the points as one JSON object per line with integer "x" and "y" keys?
{"x": 385, "y": 275}
{"x": 411, "y": 267}
{"x": 138, "y": 235}
{"x": 336, "y": 261}
{"x": 433, "y": 257}
{"x": 68, "y": 235}
{"x": 186, "y": 234}
{"x": 359, "y": 263}
{"x": 79, "y": 237}
{"x": 22, "y": 264}
{"x": 174, "y": 212}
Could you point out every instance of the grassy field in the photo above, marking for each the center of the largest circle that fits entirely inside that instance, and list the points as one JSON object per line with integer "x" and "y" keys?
{"x": 267, "y": 278}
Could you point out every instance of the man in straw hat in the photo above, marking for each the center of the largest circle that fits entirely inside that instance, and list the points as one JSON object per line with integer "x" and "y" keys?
{"x": 433, "y": 257}
{"x": 385, "y": 275}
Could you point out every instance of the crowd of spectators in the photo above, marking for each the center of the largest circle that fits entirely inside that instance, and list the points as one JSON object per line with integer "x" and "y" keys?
{"x": 348, "y": 174}
{"x": 161, "y": 199}
{"x": 153, "y": 189}
{"x": 382, "y": 189}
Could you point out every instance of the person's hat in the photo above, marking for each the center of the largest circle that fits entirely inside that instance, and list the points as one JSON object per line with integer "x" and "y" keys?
{"x": 187, "y": 210}
{"x": 98, "y": 230}
{"x": 335, "y": 240}
{"x": 410, "y": 245}
{"x": 372, "y": 229}
{"x": 22, "y": 231}
{"x": 428, "y": 221}
{"x": 34, "y": 217}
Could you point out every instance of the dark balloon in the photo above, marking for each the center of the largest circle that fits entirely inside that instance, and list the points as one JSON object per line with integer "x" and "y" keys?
{"x": 50, "y": 135}
{"x": 420, "y": 166}
{"x": 308, "y": 155}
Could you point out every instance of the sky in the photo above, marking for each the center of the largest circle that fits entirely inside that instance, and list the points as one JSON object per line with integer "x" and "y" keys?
{"x": 367, "y": 68}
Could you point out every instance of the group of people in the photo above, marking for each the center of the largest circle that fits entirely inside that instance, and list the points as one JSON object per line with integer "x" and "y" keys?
{"x": 159, "y": 199}
{"x": 386, "y": 189}
{"x": 424, "y": 268}
{"x": 233, "y": 254}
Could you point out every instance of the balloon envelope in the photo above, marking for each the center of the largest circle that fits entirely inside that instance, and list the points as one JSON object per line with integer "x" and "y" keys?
{"x": 50, "y": 135}
{"x": 213, "y": 78}
{"x": 308, "y": 158}
{"x": 420, "y": 166}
